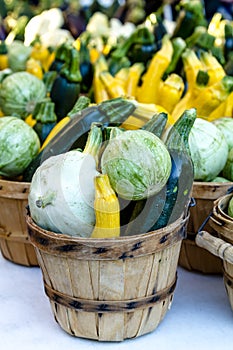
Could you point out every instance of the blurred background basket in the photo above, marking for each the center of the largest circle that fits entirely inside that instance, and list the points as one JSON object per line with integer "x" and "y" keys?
{"x": 14, "y": 240}
{"x": 193, "y": 257}
{"x": 109, "y": 289}
{"x": 222, "y": 245}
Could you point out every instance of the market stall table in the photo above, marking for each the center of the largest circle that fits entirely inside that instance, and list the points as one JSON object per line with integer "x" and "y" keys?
{"x": 200, "y": 316}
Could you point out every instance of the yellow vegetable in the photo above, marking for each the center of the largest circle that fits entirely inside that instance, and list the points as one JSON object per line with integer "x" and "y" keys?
{"x": 229, "y": 106}
{"x": 34, "y": 67}
{"x": 3, "y": 56}
{"x": 112, "y": 85}
{"x": 170, "y": 91}
{"x": 148, "y": 92}
{"x": 214, "y": 69}
{"x": 107, "y": 209}
{"x": 99, "y": 90}
{"x": 142, "y": 114}
{"x": 192, "y": 66}
{"x": 41, "y": 53}
{"x": 30, "y": 120}
{"x": 122, "y": 76}
{"x": 225, "y": 109}
{"x": 135, "y": 72}
{"x": 212, "y": 96}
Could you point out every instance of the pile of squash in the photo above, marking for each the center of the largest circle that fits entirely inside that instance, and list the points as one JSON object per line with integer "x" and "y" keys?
{"x": 59, "y": 90}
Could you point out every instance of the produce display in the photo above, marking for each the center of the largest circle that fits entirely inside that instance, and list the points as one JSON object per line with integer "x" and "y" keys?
{"x": 160, "y": 95}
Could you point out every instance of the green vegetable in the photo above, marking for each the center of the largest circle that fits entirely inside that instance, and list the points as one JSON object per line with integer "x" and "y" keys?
{"x": 45, "y": 117}
{"x": 86, "y": 67}
{"x": 143, "y": 47}
{"x": 225, "y": 124}
{"x": 19, "y": 144}
{"x": 139, "y": 46}
{"x": 230, "y": 208}
{"x": 48, "y": 79}
{"x": 219, "y": 179}
{"x": 66, "y": 86}
{"x": 18, "y": 55}
{"x": 208, "y": 149}
{"x": 19, "y": 93}
{"x": 138, "y": 216}
{"x": 227, "y": 171}
{"x": 65, "y": 184}
{"x": 190, "y": 16}
{"x": 179, "y": 46}
{"x": 61, "y": 56}
{"x": 138, "y": 164}
{"x": 156, "y": 124}
{"x": 180, "y": 182}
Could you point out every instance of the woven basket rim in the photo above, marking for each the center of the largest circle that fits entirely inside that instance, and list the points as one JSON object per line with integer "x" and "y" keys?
{"x": 106, "y": 248}
{"x": 218, "y": 209}
{"x": 176, "y": 224}
{"x": 211, "y": 184}
{"x": 5, "y": 181}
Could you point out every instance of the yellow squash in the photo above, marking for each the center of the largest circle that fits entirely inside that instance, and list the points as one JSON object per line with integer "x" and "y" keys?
{"x": 107, "y": 209}
{"x": 148, "y": 92}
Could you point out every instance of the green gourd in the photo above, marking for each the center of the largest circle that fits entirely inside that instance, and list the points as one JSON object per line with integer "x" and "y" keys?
{"x": 138, "y": 164}
{"x": 19, "y": 94}
{"x": 19, "y": 144}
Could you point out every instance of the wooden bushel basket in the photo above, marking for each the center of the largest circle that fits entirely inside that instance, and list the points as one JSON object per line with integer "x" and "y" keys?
{"x": 193, "y": 257}
{"x": 222, "y": 245}
{"x": 14, "y": 241}
{"x": 109, "y": 289}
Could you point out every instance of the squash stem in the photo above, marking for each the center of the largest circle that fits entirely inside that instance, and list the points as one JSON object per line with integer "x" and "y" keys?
{"x": 94, "y": 141}
{"x": 42, "y": 202}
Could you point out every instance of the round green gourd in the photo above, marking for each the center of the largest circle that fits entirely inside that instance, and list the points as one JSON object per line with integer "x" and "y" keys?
{"x": 19, "y": 93}
{"x": 18, "y": 55}
{"x": 225, "y": 124}
{"x": 208, "y": 149}
{"x": 230, "y": 208}
{"x": 227, "y": 171}
{"x": 138, "y": 164}
{"x": 19, "y": 144}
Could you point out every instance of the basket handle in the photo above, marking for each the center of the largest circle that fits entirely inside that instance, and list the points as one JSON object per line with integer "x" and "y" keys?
{"x": 215, "y": 245}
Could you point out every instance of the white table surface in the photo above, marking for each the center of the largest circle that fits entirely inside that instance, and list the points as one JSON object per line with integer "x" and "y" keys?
{"x": 200, "y": 316}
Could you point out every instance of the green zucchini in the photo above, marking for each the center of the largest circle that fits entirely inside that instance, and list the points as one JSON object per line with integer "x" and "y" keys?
{"x": 156, "y": 124}
{"x": 180, "y": 182}
{"x": 71, "y": 136}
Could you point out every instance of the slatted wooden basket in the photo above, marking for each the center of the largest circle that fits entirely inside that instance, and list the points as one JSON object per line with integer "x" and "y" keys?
{"x": 222, "y": 245}
{"x": 109, "y": 289}
{"x": 14, "y": 241}
{"x": 192, "y": 257}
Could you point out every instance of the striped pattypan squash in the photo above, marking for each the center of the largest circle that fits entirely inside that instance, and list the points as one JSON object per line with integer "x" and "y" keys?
{"x": 138, "y": 164}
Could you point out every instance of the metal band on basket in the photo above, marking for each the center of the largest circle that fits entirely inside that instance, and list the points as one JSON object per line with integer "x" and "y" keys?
{"x": 14, "y": 238}
{"x": 99, "y": 306}
{"x": 228, "y": 279}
